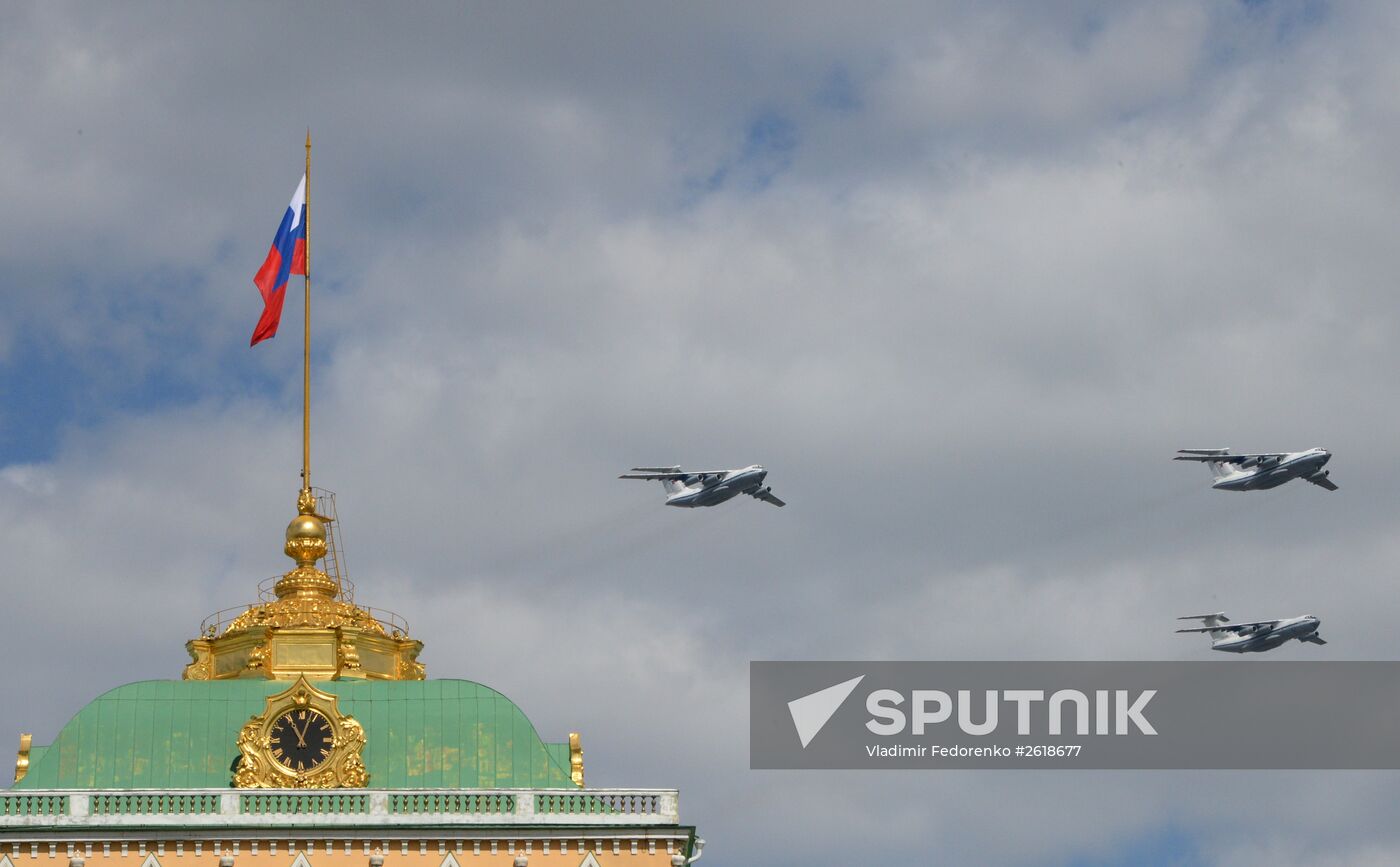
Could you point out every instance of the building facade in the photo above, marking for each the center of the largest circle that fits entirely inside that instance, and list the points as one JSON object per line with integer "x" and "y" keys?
{"x": 305, "y": 733}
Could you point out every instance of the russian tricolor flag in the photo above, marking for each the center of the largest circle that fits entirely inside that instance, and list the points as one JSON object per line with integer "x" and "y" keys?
{"x": 287, "y": 257}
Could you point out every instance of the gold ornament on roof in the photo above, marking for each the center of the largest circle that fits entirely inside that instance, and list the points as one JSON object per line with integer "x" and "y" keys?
{"x": 349, "y": 656}
{"x": 576, "y": 758}
{"x": 26, "y": 743}
{"x": 257, "y": 658}
{"x": 310, "y": 626}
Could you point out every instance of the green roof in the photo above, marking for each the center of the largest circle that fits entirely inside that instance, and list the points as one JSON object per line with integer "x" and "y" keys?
{"x": 176, "y": 734}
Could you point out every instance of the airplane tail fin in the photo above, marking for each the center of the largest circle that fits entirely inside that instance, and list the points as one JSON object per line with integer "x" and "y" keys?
{"x": 1210, "y": 620}
{"x": 671, "y": 485}
{"x": 1217, "y": 468}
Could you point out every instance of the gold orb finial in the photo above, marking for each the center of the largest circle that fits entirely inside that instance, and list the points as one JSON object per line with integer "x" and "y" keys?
{"x": 306, "y": 540}
{"x": 306, "y": 543}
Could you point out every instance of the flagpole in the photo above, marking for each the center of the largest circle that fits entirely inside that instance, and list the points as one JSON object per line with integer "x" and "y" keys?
{"x": 306, "y": 341}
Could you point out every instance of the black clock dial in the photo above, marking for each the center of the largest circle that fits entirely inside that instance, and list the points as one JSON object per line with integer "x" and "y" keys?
{"x": 302, "y": 739}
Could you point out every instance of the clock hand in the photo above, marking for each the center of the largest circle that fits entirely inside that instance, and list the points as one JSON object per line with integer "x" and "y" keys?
{"x": 301, "y": 735}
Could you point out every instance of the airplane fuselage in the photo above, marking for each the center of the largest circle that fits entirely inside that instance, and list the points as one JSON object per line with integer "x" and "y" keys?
{"x": 713, "y": 492}
{"x": 1290, "y": 466}
{"x": 1255, "y": 642}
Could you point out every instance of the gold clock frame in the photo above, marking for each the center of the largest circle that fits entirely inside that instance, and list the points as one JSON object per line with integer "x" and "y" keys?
{"x": 258, "y": 769}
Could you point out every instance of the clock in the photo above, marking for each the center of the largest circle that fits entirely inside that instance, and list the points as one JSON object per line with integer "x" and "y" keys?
{"x": 301, "y": 740}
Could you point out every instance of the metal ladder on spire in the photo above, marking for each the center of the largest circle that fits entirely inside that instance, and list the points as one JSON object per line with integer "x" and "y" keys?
{"x": 335, "y": 558}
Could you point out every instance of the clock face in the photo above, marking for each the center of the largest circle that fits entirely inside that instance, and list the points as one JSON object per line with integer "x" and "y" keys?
{"x": 301, "y": 739}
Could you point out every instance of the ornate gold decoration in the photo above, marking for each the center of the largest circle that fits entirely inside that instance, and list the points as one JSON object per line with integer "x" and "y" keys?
{"x": 410, "y": 668}
{"x": 349, "y": 657}
{"x": 315, "y": 613}
{"x": 258, "y": 767}
{"x": 257, "y": 658}
{"x": 306, "y": 543}
{"x": 309, "y": 629}
{"x": 202, "y": 668}
{"x": 26, "y": 742}
{"x": 576, "y": 759}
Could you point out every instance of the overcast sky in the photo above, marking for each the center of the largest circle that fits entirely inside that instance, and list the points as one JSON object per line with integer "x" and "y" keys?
{"x": 962, "y": 276}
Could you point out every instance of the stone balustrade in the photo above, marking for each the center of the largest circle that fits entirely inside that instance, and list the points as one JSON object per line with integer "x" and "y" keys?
{"x": 343, "y": 808}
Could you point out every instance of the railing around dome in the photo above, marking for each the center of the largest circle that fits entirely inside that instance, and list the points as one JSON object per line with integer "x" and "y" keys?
{"x": 195, "y": 808}
{"x": 216, "y": 623}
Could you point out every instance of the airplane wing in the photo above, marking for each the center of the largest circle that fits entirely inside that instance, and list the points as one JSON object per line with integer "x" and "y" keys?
{"x": 654, "y": 473}
{"x": 767, "y": 496}
{"x": 1321, "y": 481}
{"x": 1230, "y": 627}
{"x": 1220, "y": 457}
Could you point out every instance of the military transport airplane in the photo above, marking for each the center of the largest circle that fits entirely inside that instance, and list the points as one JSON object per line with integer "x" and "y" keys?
{"x": 1260, "y": 471}
{"x": 691, "y": 488}
{"x": 1255, "y": 637}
